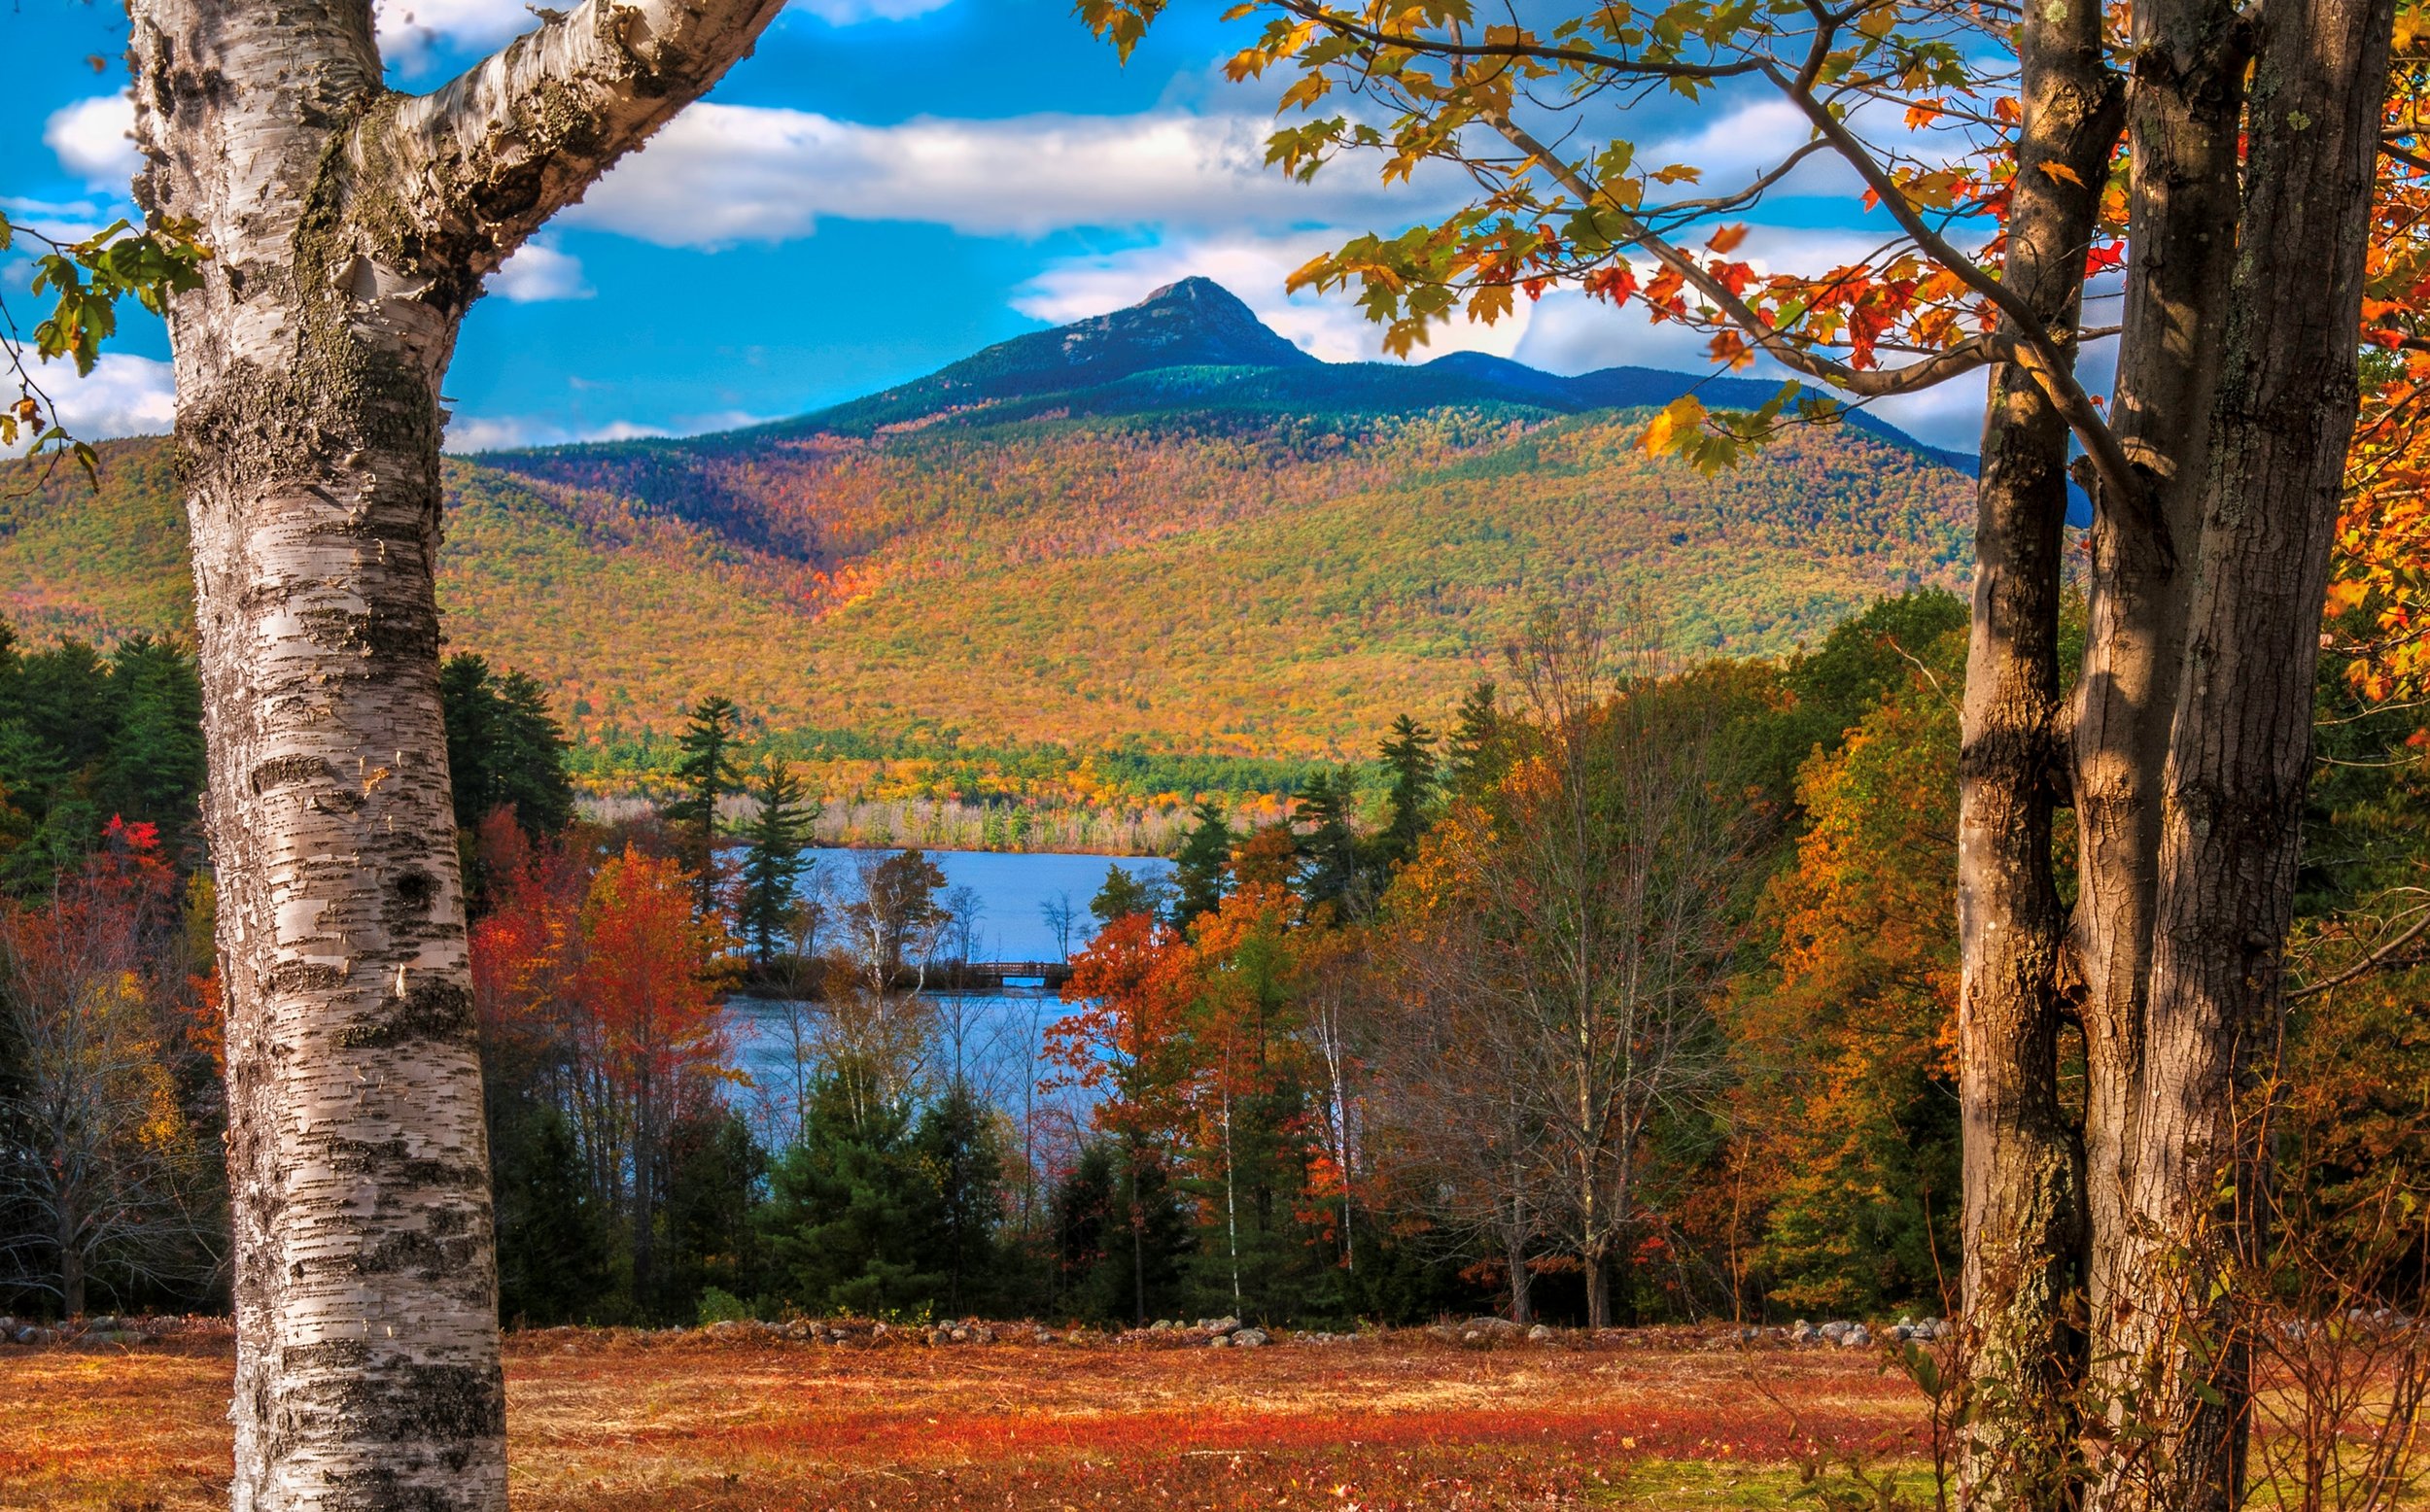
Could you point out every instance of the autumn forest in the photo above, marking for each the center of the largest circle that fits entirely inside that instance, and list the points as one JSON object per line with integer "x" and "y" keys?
{"x": 1153, "y": 918}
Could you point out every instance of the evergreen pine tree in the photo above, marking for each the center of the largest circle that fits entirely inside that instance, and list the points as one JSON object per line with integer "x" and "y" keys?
{"x": 1328, "y": 865}
{"x": 958, "y": 1144}
{"x": 470, "y": 713}
{"x": 529, "y": 772}
{"x": 705, "y": 774}
{"x": 1474, "y": 760}
{"x": 706, "y": 1238}
{"x": 155, "y": 765}
{"x": 849, "y": 1207}
{"x": 1083, "y": 1207}
{"x": 1203, "y": 867}
{"x": 554, "y": 1244}
{"x": 1409, "y": 756}
{"x": 1124, "y": 895}
{"x": 779, "y": 839}
{"x": 504, "y": 748}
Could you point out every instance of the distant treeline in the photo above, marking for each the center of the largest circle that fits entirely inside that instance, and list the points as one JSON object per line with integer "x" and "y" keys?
{"x": 935, "y": 789}
{"x": 1330, "y": 1069}
{"x": 954, "y": 767}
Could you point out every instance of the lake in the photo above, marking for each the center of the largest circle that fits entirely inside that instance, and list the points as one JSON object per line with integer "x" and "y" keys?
{"x": 1014, "y": 890}
{"x": 1003, "y": 1032}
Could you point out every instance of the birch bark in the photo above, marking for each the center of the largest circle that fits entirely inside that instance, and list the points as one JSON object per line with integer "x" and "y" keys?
{"x": 351, "y": 228}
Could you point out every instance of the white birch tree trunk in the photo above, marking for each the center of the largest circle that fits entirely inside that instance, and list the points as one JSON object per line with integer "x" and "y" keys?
{"x": 351, "y": 228}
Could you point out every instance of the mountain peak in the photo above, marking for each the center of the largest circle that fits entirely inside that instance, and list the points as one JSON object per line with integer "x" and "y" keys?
{"x": 1197, "y": 289}
{"x": 1192, "y": 321}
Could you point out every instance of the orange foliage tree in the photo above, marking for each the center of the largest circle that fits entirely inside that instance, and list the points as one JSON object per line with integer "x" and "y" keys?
{"x": 598, "y": 986}
{"x": 647, "y": 986}
{"x": 102, "y": 1174}
{"x": 2381, "y": 587}
{"x": 1846, "y": 1112}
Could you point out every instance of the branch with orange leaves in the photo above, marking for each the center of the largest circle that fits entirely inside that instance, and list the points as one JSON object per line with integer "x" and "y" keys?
{"x": 2032, "y": 349}
{"x": 1976, "y": 351}
{"x": 2052, "y": 367}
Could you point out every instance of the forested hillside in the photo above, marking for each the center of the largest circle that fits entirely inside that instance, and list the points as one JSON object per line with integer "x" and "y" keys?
{"x": 1163, "y": 524}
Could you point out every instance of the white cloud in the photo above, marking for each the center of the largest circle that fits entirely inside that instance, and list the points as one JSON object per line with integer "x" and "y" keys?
{"x": 60, "y": 222}
{"x": 849, "y": 12}
{"x": 95, "y": 140}
{"x": 1947, "y": 414}
{"x": 414, "y": 32}
{"x": 1254, "y": 268}
{"x": 538, "y": 272}
{"x": 720, "y": 174}
{"x": 124, "y": 394}
{"x": 469, "y": 433}
{"x": 411, "y": 31}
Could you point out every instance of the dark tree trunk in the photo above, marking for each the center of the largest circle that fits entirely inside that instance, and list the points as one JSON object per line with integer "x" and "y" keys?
{"x": 71, "y": 1260}
{"x": 2239, "y": 754}
{"x": 2024, "y": 1206}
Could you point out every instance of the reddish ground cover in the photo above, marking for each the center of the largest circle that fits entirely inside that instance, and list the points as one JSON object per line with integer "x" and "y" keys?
{"x": 620, "y": 1423}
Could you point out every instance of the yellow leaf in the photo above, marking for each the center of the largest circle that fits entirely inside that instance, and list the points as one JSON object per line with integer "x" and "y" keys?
{"x": 2062, "y": 172}
{"x": 1676, "y": 427}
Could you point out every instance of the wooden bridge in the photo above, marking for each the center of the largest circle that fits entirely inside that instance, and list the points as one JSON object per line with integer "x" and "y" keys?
{"x": 991, "y": 975}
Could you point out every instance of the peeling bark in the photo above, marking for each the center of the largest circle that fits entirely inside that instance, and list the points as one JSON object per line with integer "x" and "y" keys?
{"x": 350, "y": 229}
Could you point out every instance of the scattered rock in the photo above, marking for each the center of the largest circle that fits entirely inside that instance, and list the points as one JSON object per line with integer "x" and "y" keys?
{"x": 1541, "y": 1334}
{"x": 1802, "y": 1334}
{"x": 1855, "y": 1338}
{"x": 1220, "y": 1341}
{"x": 1250, "y": 1338}
{"x": 1222, "y": 1325}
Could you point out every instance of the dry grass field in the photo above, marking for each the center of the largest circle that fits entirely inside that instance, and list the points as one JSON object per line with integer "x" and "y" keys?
{"x": 628, "y": 1423}
{"x": 614, "y": 1422}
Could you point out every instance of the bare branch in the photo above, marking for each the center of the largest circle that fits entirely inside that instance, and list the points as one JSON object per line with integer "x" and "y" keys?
{"x": 2385, "y": 956}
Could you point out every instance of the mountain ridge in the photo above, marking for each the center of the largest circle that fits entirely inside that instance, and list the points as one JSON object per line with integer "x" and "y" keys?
{"x": 1195, "y": 324}
{"x": 1149, "y": 526}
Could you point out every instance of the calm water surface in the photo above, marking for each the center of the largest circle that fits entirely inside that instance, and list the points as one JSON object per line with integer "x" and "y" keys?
{"x": 1013, "y": 891}
{"x": 1002, "y": 1032}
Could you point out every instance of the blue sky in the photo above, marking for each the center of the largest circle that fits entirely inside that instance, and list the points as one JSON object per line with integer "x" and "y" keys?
{"x": 886, "y": 186}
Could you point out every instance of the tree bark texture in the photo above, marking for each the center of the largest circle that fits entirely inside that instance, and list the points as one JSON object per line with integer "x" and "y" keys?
{"x": 2240, "y": 751}
{"x": 2185, "y": 114}
{"x": 2022, "y": 1177}
{"x": 351, "y": 228}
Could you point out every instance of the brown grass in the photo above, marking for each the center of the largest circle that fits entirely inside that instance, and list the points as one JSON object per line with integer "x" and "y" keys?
{"x": 620, "y": 1423}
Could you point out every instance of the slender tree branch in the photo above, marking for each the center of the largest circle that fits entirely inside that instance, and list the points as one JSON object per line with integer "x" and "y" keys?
{"x": 2034, "y": 348}
{"x": 1964, "y": 357}
{"x": 1754, "y": 190}
{"x": 2385, "y": 955}
{"x": 2396, "y": 153}
{"x": 1318, "y": 15}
